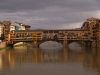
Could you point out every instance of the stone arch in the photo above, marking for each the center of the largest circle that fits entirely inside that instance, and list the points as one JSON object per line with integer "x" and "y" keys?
{"x": 77, "y": 41}
{"x": 39, "y": 43}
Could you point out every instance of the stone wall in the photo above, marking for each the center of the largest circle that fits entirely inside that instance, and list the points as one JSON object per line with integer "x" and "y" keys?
{"x": 2, "y": 44}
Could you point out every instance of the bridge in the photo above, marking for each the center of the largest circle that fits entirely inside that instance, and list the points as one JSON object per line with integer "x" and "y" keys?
{"x": 88, "y": 34}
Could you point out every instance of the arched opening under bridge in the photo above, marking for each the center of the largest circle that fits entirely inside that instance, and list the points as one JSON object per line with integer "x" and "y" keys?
{"x": 50, "y": 45}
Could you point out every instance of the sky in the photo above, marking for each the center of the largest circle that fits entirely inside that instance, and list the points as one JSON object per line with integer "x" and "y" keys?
{"x": 49, "y": 14}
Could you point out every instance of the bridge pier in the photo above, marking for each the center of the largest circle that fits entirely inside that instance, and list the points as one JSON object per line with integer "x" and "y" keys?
{"x": 93, "y": 44}
{"x": 10, "y": 45}
{"x": 65, "y": 43}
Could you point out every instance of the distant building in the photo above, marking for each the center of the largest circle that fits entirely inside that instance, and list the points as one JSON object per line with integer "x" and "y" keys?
{"x": 15, "y": 26}
{"x": 9, "y": 26}
{"x": 12, "y": 27}
{"x": 21, "y": 26}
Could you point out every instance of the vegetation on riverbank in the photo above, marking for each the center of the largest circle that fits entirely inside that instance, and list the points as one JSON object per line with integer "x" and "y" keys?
{"x": 4, "y": 48}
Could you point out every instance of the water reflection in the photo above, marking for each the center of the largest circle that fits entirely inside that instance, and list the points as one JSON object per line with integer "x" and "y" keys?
{"x": 51, "y": 45}
{"x": 10, "y": 59}
{"x": 75, "y": 46}
{"x": 0, "y": 62}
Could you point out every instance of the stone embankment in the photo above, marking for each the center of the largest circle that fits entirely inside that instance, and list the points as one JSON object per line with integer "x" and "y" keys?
{"x": 2, "y": 44}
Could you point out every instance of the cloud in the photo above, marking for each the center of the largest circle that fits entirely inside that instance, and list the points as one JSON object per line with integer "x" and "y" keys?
{"x": 49, "y": 14}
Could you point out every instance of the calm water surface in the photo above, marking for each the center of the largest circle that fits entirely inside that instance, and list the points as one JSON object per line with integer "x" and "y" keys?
{"x": 35, "y": 61}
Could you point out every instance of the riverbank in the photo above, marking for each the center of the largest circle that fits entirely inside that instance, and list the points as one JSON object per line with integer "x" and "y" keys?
{"x": 4, "y": 48}
{"x": 3, "y": 45}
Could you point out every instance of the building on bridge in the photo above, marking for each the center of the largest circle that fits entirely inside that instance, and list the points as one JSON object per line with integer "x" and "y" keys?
{"x": 93, "y": 25}
{"x": 18, "y": 26}
{"x": 8, "y": 26}
{"x": 88, "y": 34}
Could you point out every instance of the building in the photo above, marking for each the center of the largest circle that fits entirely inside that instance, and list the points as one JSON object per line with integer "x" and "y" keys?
{"x": 1, "y": 31}
{"x": 9, "y": 26}
{"x": 21, "y": 26}
{"x": 93, "y": 25}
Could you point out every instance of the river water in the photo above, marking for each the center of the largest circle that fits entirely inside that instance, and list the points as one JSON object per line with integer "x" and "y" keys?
{"x": 27, "y": 60}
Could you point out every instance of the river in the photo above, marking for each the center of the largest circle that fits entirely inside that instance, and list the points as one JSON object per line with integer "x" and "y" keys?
{"x": 27, "y": 60}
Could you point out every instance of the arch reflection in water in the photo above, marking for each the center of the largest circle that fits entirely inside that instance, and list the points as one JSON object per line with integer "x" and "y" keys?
{"x": 50, "y": 56}
{"x": 75, "y": 46}
{"x": 51, "y": 45}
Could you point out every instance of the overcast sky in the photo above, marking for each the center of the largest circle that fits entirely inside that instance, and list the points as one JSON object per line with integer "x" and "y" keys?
{"x": 49, "y": 14}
